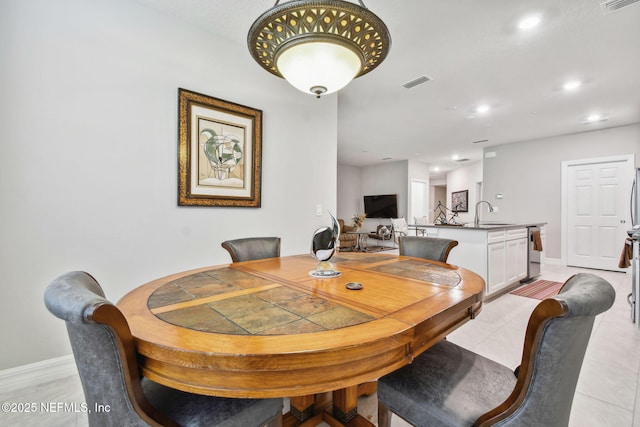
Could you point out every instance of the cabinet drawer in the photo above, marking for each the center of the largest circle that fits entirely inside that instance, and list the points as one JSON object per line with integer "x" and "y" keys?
{"x": 518, "y": 233}
{"x": 496, "y": 236}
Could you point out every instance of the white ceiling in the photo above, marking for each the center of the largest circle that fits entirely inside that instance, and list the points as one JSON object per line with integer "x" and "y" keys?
{"x": 474, "y": 54}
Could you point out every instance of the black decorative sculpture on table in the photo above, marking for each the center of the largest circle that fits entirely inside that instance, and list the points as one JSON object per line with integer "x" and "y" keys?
{"x": 323, "y": 246}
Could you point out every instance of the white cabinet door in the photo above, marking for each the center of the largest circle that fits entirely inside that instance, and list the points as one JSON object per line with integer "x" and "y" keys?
{"x": 523, "y": 257}
{"x": 516, "y": 260}
{"x": 496, "y": 259}
{"x": 511, "y": 266}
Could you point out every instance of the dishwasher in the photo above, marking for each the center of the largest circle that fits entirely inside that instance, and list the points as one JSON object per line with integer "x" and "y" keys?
{"x": 534, "y": 255}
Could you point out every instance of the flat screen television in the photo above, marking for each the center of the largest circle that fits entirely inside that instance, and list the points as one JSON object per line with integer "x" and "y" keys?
{"x": 381, "y": 206}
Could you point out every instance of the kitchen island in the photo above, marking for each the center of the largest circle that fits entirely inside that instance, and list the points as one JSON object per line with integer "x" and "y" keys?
{"x": 498, "y": 252}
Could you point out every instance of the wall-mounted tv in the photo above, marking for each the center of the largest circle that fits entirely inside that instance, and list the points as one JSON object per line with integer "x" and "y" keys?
{"x": 381, "y": 206}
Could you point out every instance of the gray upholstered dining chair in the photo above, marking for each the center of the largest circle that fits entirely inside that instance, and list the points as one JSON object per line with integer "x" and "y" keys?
{"x": 105, "y": 355}
{"x": 251, "y": 248}
{"x": 448, "y": 385}
{"x": 433, "y": 248}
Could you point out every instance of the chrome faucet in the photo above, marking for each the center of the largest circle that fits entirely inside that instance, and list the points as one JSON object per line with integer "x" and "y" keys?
{"x": 476, "y": 219}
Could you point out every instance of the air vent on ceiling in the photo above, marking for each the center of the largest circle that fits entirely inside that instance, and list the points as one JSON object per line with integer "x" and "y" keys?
{"x": 415, "y": 82}
{"x": 462, "y": 160}
{"x": 613, "y": 5}
{"x": 478, "y": 142}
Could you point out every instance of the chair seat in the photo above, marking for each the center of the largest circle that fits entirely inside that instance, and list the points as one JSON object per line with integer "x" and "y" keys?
{"x": 446, "y": 386}
{"x": 197, "y": 410}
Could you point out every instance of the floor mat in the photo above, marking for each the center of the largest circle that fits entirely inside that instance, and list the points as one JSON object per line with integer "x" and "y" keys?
{"x": 540, "y": 289}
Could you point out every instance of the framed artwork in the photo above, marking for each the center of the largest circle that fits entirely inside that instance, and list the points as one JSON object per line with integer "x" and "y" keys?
{"x": 219, "y": 152}
{"x": 460, "y": 201}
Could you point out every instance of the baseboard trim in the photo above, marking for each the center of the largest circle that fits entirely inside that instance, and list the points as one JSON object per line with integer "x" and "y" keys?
{"x": 37, "y": 373}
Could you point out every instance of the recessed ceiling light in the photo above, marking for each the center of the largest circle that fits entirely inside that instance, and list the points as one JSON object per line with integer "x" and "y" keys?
{"x": 455, "y": 157}
{"x": 529, "y": 22}
{"x": 481, "y": 109}
{"x": 572, "y": 85}
{"x": 436, "y": 169}
{"x": 595, "y": 118}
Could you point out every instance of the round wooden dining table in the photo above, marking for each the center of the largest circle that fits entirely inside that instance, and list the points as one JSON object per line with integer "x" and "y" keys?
{"x": 268, "y": 328}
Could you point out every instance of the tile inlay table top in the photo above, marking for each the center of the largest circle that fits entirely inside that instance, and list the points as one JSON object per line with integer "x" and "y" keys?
{"x": 266, "y": 328}
{"x": 212, "y": 302}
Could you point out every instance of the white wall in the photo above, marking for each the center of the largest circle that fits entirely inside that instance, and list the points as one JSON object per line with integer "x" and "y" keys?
{"x": 417, "y": 171}
{"x": 386, "y": 178}
{"x": 528, "y": 175}
{"x": 350, "y": 201}
{"x": 437, "y": 193}
{"x": 88, "y": 170}
{"x": 466, "y": 178}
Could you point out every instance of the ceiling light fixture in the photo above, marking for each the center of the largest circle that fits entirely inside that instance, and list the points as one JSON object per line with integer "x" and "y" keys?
{"x": 529, "y": 22}
{"x": 482, "y": 109}
{"x": 572, "y": 85}
{"x": 319, "y": 46}
{"x": 595, "y": 118}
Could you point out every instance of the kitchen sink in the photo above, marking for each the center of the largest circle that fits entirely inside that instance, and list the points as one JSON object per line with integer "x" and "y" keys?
{"x": 489, "y": 224}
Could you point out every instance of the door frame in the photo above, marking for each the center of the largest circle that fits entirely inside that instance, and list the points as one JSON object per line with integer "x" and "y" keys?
{"x": 564, "y": 214}
{"x": 425, "y": 203}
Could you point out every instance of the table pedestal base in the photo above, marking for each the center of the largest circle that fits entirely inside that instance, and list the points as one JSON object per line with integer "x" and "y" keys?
{"x": 337, "y": 409}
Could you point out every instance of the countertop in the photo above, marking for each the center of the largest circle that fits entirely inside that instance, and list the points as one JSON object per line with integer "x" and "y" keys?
{"x": 483, "y": 225}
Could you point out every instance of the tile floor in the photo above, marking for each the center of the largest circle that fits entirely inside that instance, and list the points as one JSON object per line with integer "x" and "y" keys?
{"x": 607, "y": 392}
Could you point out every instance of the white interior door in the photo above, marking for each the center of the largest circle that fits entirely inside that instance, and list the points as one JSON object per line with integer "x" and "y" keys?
{"x": 597, "y": 212}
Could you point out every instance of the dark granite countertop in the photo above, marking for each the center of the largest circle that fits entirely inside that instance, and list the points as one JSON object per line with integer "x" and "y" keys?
{"x": 486, "y": 225}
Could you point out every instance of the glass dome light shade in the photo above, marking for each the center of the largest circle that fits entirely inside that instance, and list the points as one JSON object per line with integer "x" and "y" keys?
{"x": 318, "y": 67}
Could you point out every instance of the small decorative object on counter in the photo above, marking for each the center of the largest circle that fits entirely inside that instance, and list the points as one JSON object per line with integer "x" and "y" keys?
{"x": 454, "y": 219}
{"x": 323, "y": 246}
{"x": 441, "y": 216}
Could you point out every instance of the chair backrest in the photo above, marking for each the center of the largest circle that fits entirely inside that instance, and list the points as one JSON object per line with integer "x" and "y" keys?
{"x": 400, "y": 225}
{"x": 433, "y": 248}
{"x": 555, "y": 343}
{"x": 104, "y": 352}
{"x": 345, "y": 228}
{"x": 251, "y": 248}
{"x": 421, "y": 220}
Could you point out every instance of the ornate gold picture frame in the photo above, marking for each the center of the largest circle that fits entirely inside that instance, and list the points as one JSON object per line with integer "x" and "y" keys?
{"x": 219, "y": 152}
